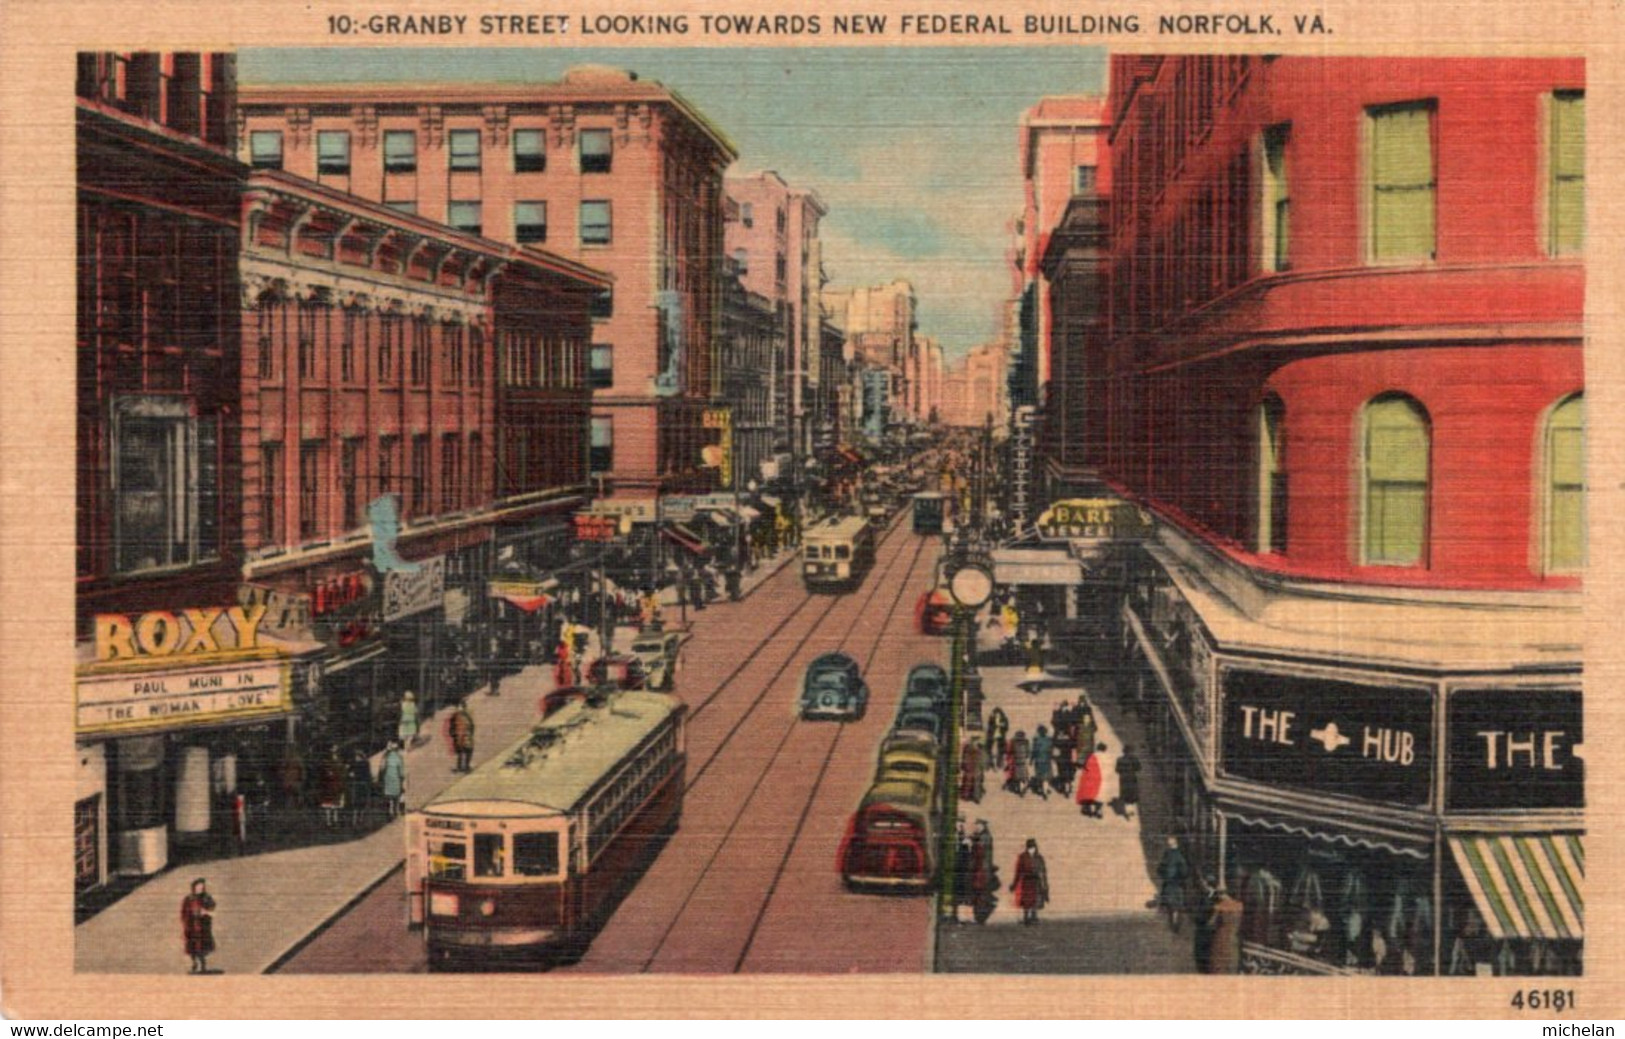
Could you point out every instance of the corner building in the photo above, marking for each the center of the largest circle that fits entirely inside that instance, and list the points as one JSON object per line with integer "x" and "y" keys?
{"x": 621, "y": 175}
{"x": 1344, "y": 370}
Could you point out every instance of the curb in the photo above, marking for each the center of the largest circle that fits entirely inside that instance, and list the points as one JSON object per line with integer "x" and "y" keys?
{"x": 332, "y": 918}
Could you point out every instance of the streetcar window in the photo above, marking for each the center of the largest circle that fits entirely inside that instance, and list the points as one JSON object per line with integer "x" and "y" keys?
{"x": 488, "y": 854}
{"x": 536, "y": 854}
{"x": 447, "y": 860}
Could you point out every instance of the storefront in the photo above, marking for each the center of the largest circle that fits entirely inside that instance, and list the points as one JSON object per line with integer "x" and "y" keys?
{"x": 414, "y": 629}
{"x": 174, "y": 712}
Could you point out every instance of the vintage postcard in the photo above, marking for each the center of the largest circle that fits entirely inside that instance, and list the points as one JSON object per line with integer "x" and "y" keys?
{"x": 1011, "y": 511}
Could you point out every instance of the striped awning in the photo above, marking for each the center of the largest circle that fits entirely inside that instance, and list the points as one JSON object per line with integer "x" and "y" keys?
{"x": 1527, "y": 886}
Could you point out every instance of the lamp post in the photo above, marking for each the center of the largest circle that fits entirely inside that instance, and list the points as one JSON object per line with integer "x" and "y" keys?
{"x": 970, "y": 584}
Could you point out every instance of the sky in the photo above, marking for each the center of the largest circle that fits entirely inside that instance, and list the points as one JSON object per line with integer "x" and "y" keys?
{"x": 914, "y": 150}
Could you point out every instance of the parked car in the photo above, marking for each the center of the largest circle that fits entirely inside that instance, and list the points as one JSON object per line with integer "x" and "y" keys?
{"x": 617, "y": 669}
{"x": 928, "y": 680}
{"x": 834, "y": 688}
{"x": 924, "y": 721}
{"x": 657, "y": 652}
{"x": 935, "y": 611}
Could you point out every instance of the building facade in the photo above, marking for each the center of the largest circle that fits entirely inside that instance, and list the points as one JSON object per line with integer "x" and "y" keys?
{"x": 619, "y": 174}
{"x": 879, "y": 324}
{"x": 1075, "y": 267}
{"x": 753, "y": 336}
{"x": 1351, "y": 392}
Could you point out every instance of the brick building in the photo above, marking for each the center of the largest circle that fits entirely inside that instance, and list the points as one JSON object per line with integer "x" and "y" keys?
{"x": 617, "y": 173}
{"x": 1344, "y": 371}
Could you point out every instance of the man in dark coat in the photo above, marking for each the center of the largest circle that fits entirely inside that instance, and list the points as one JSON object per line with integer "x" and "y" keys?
{"x": 197, "y": 925}
{"x": 461, "y": 729}
{"x": 1031, "y": 883}
{"x": 1172, "y": 871}
{"x": 1128, "y": 780}
{"x": 984, "y": 878}
{"x": 998, "y": 727}
{"x": 964, "y": 863}
{"x": 358, "y": 787}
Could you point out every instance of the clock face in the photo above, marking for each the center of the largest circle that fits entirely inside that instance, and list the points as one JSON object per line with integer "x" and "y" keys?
{"x": 971, "y": 586}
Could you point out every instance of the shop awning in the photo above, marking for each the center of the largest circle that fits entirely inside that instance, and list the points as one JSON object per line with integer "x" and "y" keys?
{"x": 1526, "y": 886}
{"x": 682, "y": 537}
{"x": 527, "y": 595}
{"x": 1035, "y": 566}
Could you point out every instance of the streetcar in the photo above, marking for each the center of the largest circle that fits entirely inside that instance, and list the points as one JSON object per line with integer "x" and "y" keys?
{"x": 928, "y": 512}
{"x": 890, "y": 843}
{"x": 522, "y": 859}
{"x": 836, "y": 555}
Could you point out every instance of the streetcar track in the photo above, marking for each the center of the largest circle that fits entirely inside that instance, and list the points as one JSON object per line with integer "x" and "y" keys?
{"x": 823, "y": 770}
{"x": 778, "y": 749}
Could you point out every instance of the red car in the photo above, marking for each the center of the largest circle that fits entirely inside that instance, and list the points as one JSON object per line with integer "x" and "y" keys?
{"x": 935, "y": 612}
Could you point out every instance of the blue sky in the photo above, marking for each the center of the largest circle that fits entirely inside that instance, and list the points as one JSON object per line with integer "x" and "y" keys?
{"x": 914, "y": 150}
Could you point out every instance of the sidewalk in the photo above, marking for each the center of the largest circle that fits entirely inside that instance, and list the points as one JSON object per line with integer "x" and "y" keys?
{"x": 1099, "y": 872}
{"x": 269, "y": 902}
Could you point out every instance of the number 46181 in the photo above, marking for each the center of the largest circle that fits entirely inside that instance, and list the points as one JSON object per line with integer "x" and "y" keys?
{"x": 1558, "y": 999}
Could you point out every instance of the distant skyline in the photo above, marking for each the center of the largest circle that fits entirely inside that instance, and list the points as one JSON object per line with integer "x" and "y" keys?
{"x": 913, "y": 149}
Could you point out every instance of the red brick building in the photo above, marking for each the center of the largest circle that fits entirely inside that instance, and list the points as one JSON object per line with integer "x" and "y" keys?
{"x": 619, "y": 174}
{"x": 1344, "y": 370}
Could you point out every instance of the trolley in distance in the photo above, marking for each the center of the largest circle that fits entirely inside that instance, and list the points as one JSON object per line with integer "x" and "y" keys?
{"x": 524, "y": 858}
{"x": 836, "y": 555}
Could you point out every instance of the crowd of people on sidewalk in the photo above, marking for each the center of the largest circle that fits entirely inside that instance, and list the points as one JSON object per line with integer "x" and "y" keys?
{"x": 1064, "y": 757}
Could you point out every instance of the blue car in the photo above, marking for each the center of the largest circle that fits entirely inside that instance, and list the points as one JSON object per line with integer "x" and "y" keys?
{"x": 834, "y": 688}
{"x": 927, "y": 681}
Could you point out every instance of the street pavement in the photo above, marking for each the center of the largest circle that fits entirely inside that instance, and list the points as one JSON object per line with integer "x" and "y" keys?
{"x": 268, "y": 904}
{"x": 1100, "y": 870}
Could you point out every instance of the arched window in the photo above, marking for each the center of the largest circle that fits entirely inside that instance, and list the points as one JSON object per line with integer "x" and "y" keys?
{"x": 1564, "y": 529}
{"x": 1395, "y": 470}
{"x": 1269, "y": 517}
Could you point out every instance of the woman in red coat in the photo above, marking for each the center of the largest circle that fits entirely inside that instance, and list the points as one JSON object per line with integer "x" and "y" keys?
{"x": 1089, "y": 779}
{"x": 563, "y": 674}
{"x": 197, "y": 925}
{"x": 1031, "y": 884}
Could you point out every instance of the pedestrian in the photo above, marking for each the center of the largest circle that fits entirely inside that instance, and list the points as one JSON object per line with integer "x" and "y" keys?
{"x": 1031, "y": 883}
{"x": 984, "y": 878}
{"x": 1060, "y": 719}
{"x": 1042, "y": 749}
{"x": 392, "y": 779}
{"x": 1128, "y": 781}
{"x": 407, "y": 730}
{"x": 562, "y": 672}
{"x": 1066, "y": 767}
{"x": 1172, "y": 872}
{"x": 292, "y": 776}
{"x": 998, "y": 727}
{"x": 1085, "y": 731}
{"x": 1223, "y": 919}
{"x": 1016, "y": 764}
{"x": 461, "y": 729}
{"x": 963, "y": 863}
{"x": 358, "y": 793}
{"x": 1089, "y": 781}
{"x": 1035, "y": 655}
{"x": 197, "y": 925}
{"x": 330, "y": 787}
{"x": 971, "y": 785}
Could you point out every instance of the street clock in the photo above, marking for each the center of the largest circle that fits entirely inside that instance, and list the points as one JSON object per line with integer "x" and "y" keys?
{"x": 970, "y": 581}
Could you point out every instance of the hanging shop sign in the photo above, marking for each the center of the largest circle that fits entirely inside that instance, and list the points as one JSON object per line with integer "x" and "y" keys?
{"x": 590, "y": 527}
{"x": 407, "y": 592}
{"x": 638, "y": 510}
{"x": 1094, "y": 518}
{"x": 1515, "y": 748}
{"x": 146, "y": 694}
{"x": 1328, "y": 736}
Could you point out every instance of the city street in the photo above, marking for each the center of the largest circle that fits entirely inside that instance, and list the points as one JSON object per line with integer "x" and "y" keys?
{"x": 749, "y": 882}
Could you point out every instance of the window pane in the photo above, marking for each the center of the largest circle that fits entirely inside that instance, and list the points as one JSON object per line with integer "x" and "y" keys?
{"x": 1402, "y": 183}
{"x": 595, "y": 226}
{"x": 595, "y": 151}
{"x": 333, "y": 151}
{"x": 488, "y": 855}
{"x": 1402, "y": 224}
{"x": 265, "y": 149}
{"x": 1565, "y": 464}
{"x": 1398, "y": 521}
{"x": 603, "y": 432}
{"x": 400, "y": 151}
{"x": 529, "y": 151}
{"x": 603, "y": 366}
{"x": 536, "y": 854}
{"x": 1396, "y": 473}
{"x": 530, "y": 221}
{"x": 465, "y": 149}
{"x": 465, "y": 216}
{"x": 1568, "y": 173}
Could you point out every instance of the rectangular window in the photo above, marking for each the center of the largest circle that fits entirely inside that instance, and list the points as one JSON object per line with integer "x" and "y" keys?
{"x": 451, "y": 471}
{"x": 451, "y": 338}
{"x": 420, "y": 474}
{"x": 529, "y": 222}
{"x": 464, "y": 216}
{"x": 603, "y": 366}
{"x": 448, "y": 859}
{"x": 310, "y": 317}
{"x": 349, "y": 481}
{"x": 595, "y": 223}
{"x": 333, "y": 152}
{"x": 165, "y": 484}
{"x": 389, "y": 449}
{"x": 1396, "y": 483}
{"x": 309, "y": 477}
{"x": 602, "y": 305}
{"x": 271, "y": 493}
{"x": 595, "y": 151}
{"x": 476, "y": 451}
{"x": 400, "y": 151}
{"x": 465, "y": 149}
{"x": 1567, "y": 192}
{"x": 602, "y": 458}
{"x": 265, "y": 149}
{"x": 536, "y": 854}
{"x": 1402, "y": 213}
{"x": 409, "y": 208}
{"x": 529, "y": 151}
{"x": 747, "y": 214}
{"x": 1083, "y": 180}
{"x": 419, "y": 354}
{"x": 488, "y": 855}
{"x": 349, "y": 333}
{"x": 1277, "y": 202}
{"x": 1565, "y": 468}
{"x": 389, "y": 335}
{"x": 476, "y": 355}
